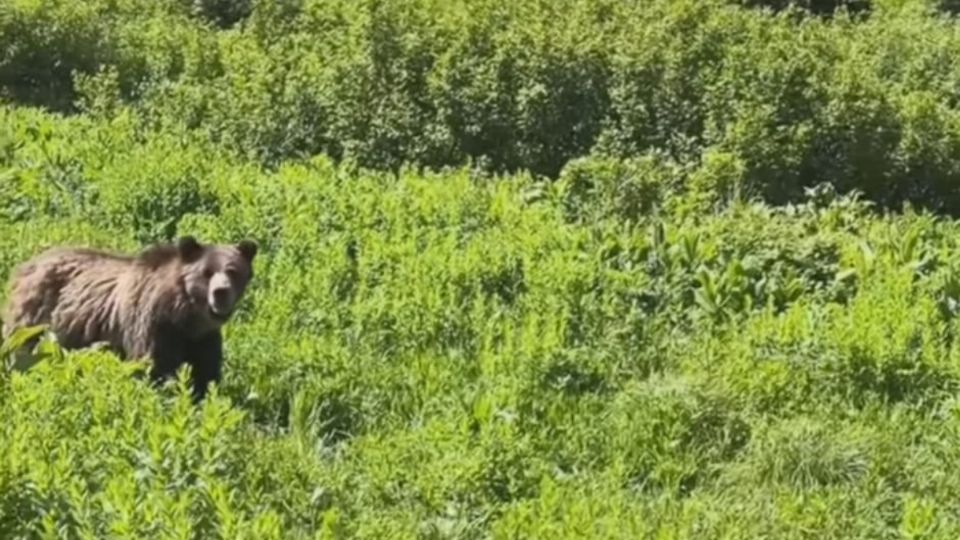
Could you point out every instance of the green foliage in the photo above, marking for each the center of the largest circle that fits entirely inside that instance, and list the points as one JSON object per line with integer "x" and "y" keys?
{"x": 453, "y": 355}
{"x": 94, "y": 452}
{"x": 782, "y": 100}
{"x": 578, "y": 269}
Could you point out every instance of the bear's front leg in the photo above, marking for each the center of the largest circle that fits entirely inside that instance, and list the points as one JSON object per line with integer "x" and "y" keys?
{"x": 205, "y": 356}
{"x": 165, "y": 351}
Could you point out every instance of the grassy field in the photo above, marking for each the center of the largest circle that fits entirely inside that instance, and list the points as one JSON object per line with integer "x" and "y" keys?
{"x": 573, "y": 269}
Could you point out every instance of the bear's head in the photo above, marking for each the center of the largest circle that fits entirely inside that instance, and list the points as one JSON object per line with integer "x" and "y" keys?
{"x": 215, "y": 276}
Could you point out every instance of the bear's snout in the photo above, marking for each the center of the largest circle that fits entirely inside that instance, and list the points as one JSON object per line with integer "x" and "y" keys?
{"x": 221, "y": 294}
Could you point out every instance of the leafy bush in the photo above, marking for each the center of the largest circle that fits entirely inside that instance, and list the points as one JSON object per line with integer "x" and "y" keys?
{"x": 863, "y": 103}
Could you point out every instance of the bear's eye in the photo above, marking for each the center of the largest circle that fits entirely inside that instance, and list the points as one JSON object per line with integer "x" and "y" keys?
{"x": 208, "y": 273}
{"x": 232, "y": 274}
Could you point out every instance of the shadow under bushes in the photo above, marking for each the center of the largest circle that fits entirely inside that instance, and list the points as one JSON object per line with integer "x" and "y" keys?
{"x": 21, "y": 504}
{"x": 817, "y": 7}
{"x": 221, "y": 13}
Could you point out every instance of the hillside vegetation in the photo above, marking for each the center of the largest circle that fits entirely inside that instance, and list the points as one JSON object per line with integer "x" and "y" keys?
{"x": 570, "y": 269}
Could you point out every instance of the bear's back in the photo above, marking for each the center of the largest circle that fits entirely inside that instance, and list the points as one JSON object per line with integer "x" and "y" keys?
{"x": 61, "y": 283}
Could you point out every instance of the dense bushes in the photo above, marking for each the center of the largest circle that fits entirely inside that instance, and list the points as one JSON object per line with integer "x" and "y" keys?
{"x": 864, "y": 103}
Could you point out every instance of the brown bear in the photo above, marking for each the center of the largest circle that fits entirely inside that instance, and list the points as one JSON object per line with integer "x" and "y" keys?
{"x": 166, "y": 304}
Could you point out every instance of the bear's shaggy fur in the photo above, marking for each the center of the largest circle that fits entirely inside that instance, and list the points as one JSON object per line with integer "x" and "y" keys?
{"x": 166, "y": 304}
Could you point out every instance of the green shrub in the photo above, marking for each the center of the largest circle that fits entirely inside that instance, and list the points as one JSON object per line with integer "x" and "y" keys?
{"x": 863, "y": 103}
{"x": 96, "y": 452}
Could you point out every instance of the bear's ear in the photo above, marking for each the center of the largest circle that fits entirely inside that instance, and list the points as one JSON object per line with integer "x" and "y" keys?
{"x": 189, "y": 248}
{"x": 248, "y": 248}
